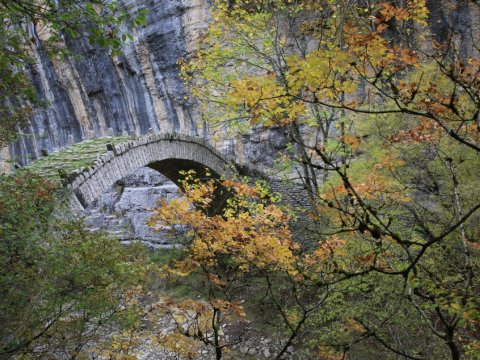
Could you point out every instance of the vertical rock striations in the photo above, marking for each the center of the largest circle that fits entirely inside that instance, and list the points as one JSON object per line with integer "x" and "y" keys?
{"x": 94, "y": 94}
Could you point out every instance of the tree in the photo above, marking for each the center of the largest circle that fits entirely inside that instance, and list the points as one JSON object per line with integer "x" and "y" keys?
{"x": 247, "y": 243}
{"x": 385, "y": 132}
{"x": 61, "y": 287}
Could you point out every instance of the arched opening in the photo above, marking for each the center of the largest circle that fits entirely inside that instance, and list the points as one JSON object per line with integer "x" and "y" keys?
{"x": 173, "y": 169}
{"x": 122, "y": 210}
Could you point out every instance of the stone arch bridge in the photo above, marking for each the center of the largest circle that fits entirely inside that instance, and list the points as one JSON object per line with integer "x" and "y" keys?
{"x": 167, "y": 154}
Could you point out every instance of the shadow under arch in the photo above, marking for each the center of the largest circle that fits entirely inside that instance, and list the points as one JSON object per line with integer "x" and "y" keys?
{"x": 173, "y": 169}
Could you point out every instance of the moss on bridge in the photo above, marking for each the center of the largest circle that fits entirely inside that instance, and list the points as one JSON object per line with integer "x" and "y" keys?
{"x": 75, "y": 157}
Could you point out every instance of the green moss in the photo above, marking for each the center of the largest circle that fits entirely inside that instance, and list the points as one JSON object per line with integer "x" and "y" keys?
{"x": 74, "y": 157}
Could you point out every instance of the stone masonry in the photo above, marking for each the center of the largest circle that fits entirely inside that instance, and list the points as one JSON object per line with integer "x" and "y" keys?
{"x": 169, "y": 154}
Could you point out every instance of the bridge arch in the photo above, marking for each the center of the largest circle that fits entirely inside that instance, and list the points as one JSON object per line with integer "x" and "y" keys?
{"x": 169, "y": 154}
{"x": 166, "y": 153}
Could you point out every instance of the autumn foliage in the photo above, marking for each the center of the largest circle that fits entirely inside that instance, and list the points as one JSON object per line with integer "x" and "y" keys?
{"x": 381, "y": 116}
{"x": 250, "y": 236}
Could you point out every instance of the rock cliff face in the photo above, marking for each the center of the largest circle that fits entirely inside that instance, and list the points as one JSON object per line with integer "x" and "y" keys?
{"x": 94, "y": 94}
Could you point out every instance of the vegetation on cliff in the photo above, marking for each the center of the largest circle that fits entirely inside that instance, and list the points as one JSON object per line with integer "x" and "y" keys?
{"x": 383, "y": 123}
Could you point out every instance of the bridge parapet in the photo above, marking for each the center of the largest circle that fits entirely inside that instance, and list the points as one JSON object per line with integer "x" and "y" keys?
{"x": 122, "y": 159}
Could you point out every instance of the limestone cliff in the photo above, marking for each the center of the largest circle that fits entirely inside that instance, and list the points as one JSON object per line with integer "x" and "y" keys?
{"x": 94, "y": 94}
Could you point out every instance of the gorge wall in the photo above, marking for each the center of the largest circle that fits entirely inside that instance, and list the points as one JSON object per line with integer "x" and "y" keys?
{"x": 94, "y": 94}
